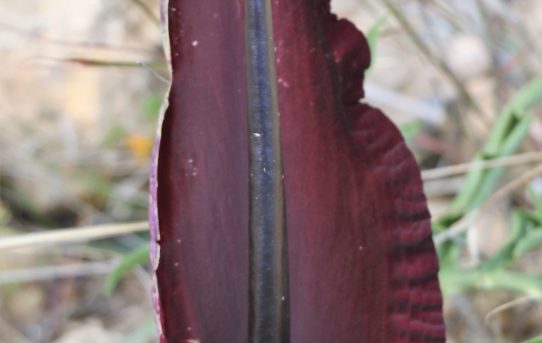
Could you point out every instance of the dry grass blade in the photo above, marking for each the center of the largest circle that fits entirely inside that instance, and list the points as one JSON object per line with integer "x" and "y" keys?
{"x": 456, "y": 229}
{"x": 439, "y": 173}
{"x": 512, "y": 186}
{"x": 71, "y": 235}
{"x": 463, "y": 225}
{"x": 57, "y": 272}
{"x": 433, "y": 59}
{"x": 505, "y": 307}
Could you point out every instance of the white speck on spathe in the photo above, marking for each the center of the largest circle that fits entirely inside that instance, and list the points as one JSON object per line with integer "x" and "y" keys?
{"x": 256, "y": 134}
{"x": 195, "y": 43}
{"x": 176, "y": 264}
{"x": 283, "y": 83}
{"x": 360, "y": 248}
{"x": 192, "y": 169}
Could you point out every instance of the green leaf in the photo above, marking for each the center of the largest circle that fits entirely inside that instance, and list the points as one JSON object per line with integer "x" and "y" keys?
{"x": 411, "y": 129}
{"x": 537, "y": 339}
{"x": 114, "y": 135}
{"x": 506, "y": 253}
{"x": 537, "y": 203}
{"x": 531, "y": 240}
{"x": 128, "y": 263}
{"x": 372, "y": 40}
{"x": 505, "y": 138}
{"x": 528, "y": 96}
{"x": 530, "y": 216}
{"x": 151, "y": 107}
{"x": 459, "y": 280}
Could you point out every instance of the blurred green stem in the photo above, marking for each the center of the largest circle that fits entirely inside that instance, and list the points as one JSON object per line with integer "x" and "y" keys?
{"x": 458, "y": 280}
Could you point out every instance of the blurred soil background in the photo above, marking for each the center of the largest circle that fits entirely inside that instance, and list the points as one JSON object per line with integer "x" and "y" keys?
{"x": 80, "y": 90}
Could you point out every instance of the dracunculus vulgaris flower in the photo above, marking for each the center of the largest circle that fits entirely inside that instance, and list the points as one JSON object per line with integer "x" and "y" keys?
{"x": 283, "y": 208}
